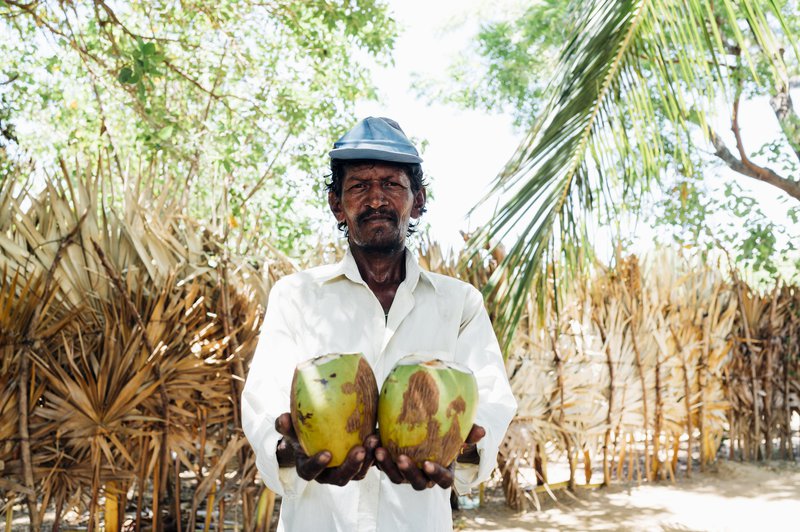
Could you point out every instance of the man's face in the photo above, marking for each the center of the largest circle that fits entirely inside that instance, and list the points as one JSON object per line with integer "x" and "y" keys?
{"x": 377, "y": 205}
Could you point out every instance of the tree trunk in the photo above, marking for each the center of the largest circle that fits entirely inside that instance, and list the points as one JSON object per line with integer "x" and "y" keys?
{"x": 587, "y": 467}
{"x": 538, "y": 466}
{"x": 786, "y": 444}
{"x": 111, "y": 515}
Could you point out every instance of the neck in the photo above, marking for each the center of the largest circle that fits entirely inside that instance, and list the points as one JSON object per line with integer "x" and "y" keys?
{"x": 380, "y": 267}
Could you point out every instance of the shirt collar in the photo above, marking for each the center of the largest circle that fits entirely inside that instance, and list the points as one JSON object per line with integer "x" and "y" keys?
{"x": 348, "y": 268}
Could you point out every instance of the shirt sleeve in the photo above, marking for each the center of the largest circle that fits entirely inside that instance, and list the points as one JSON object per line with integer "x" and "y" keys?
{"x": 477, "y": 348}
{"x": 266, "y": 392}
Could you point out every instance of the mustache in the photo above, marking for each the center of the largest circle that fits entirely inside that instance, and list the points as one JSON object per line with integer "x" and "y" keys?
{"x": 382, "y": 213}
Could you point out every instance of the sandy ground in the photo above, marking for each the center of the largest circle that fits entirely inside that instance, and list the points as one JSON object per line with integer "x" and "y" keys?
{"x": 733, "y": 496}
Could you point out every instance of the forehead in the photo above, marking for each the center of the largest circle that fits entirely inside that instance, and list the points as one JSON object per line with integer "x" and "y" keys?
{"x": 374, "y": 170}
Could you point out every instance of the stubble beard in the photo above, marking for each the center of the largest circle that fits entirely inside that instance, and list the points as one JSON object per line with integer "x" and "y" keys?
{"x": 380, "y": 243}
{"x": 381, "y": 240}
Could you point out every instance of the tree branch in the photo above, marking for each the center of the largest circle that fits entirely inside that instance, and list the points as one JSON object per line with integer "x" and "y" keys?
{"x": 211, "y": 98}
{"x": 744, "y": 165}
{"x": 781, "y": 100}
{"x": 113, "y": 19}
{"x": 765, "y": 175}
{"x": 190, "y": 79}
{"x": 268, "y": 172}
{"x": 781, "y": 103}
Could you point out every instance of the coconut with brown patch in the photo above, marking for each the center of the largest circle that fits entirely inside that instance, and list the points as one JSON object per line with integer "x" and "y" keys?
{"x": 333, "y": 404}
{"x": 426, "y": 409}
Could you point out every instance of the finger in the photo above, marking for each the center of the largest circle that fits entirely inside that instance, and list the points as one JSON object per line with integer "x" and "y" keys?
{"x": 283, "y": 424}
{"x": 341, "y": 475}
{"x": 289, "y": 449}
{"x": 387, "y": 465}
{"x": 370, "y": 444}
{"x": 412, "y": 473}
{"x": 310, "y": 467}
{"x": 440, "y": 475}
{"x": 476, "y": 434}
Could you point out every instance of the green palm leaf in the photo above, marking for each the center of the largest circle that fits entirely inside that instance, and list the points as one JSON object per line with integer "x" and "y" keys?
{"x": 629, "y": 68}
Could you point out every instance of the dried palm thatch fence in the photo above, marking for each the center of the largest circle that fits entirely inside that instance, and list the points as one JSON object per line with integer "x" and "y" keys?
{"x": 642, "y": 371}
{"x": 125, "y": 335}
{"x": 764, "y": 373}
{"x": 126, "y": 332}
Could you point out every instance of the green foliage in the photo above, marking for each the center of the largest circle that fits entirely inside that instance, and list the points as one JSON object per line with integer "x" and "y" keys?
{"x": 239, "y": 99}
{"x": 700, "y": 219}
{"x": 510, "y": 63}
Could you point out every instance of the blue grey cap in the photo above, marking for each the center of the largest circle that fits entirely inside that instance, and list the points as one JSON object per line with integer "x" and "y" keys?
{"x": 378, "y": 139}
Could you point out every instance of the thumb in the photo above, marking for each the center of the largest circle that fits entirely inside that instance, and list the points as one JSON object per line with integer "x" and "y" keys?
{"x": 283, "y": 424}
{"x": 476, "y": 434}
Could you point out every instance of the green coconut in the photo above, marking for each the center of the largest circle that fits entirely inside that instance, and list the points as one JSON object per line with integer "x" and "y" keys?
{"x": 426, "y": 409}
{"x": 333, "y": 404}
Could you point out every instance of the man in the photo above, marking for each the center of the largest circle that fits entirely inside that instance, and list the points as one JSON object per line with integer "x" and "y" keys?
{"x": 376, "y": 301}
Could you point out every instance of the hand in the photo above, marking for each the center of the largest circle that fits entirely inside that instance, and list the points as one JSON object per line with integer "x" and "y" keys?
{"x": 469, "y": 450}
{"x": 290, "y": 453}
{"x": 404, "y": 470}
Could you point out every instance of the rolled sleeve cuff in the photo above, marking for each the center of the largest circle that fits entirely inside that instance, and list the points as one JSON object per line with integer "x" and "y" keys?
{"x": 466, "y": 477}
{"x": 291, "y": 484}
{"x": 267, "y": 462}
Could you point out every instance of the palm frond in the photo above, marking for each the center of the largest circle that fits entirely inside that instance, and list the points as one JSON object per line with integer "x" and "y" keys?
{"x": 629, "y": 78}
{"x": 133, "y": 343}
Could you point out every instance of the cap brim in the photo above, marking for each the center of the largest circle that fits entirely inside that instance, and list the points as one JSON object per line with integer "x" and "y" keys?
{"x": 374, "y": 155}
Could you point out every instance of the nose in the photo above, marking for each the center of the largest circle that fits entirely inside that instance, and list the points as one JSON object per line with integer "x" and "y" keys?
{"x": 376, "y": 196}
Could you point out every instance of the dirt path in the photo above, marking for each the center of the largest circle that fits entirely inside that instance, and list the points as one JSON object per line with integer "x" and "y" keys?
{"x": 734, "y": 497}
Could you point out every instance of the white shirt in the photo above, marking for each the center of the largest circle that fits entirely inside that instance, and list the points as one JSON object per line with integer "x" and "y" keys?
{"x": 330, "y": 309}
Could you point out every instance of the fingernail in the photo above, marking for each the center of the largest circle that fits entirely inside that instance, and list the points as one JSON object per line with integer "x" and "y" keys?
{"x": 429, "y": 469}
{"x": 360, "y": 455}
{"x": 380, "y": 454}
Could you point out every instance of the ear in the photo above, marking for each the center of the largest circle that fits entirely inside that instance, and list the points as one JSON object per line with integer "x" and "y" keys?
{"x": 336, "y": 206}
{"x": 420, "y": 197}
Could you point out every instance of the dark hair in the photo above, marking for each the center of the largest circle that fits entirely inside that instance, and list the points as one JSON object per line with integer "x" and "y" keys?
{"x": 339, "y": 169}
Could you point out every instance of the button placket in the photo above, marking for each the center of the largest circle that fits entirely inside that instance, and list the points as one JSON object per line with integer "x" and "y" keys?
{"x": 401, "y": 307}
